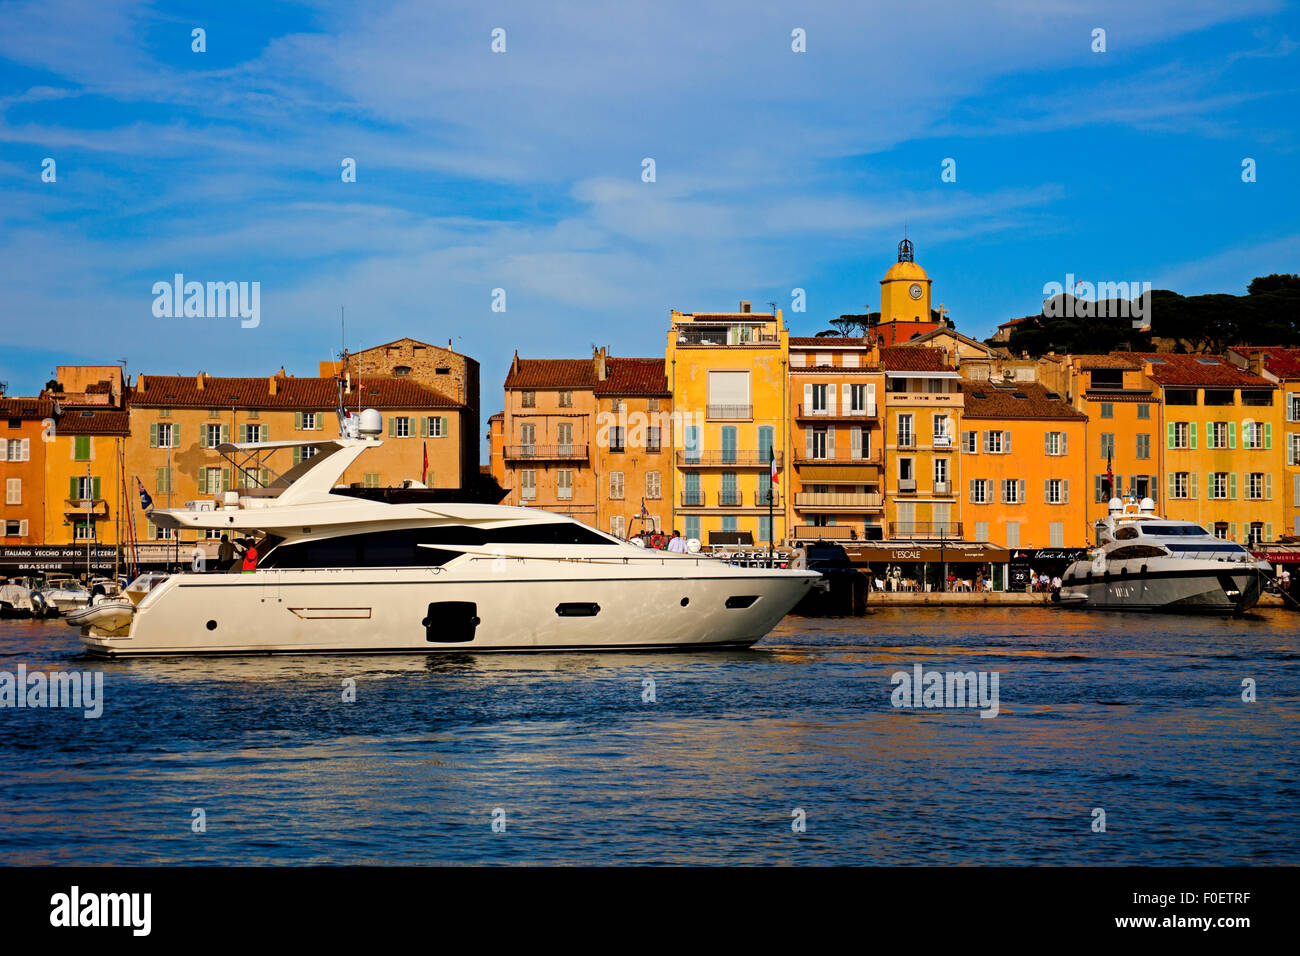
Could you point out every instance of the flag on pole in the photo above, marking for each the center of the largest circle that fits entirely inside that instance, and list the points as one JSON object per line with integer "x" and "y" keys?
{"x": 1110, "y": 474}
{"x": 776, "y": 477}
{"x": 146, "y": 503}
{"x": 424, "y": 475}
{"x": 645, "y": 512}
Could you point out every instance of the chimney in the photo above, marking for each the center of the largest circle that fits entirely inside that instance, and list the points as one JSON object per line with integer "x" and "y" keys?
{"x": 746, "y": 305}
{"x": 139, "y": 382}
{"x": 198, "y": 382}
{"x": 601, "y": 367}
{"x": 273, "y": 385}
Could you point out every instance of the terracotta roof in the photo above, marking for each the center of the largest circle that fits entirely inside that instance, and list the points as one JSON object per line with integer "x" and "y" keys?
{"x": 1127, "y": 395}
{"x": 1113, "y": 360}
{"x": 94, "y": 422}
{"x": 182, "y": 391}
{"x": 1022, "y": 400}
{"x": 633, "y": 376}
{"x": 912, "y": 358}
{"x": 13, "y": 407}
{"x": 829, "y": 341}
{"x": 1173, "y": 369}
{"x": 1011, "y": 322}
{"x": 1282, "y": 362}
{"x": 552, "y": 373}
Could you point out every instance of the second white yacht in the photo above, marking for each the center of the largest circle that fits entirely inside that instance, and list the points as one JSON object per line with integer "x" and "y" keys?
{"x": 344, "y": 574}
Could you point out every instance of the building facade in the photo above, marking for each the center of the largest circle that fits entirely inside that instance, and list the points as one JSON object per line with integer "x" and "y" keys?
{"x": 727, "y": 373}
{"x": 834, "y": 487}
{"x": 27, "y": 423}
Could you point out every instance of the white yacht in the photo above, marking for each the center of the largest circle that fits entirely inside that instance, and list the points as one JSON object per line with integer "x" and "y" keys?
{"x": 343, "y": 574}
{"x": 1143, "y": 562}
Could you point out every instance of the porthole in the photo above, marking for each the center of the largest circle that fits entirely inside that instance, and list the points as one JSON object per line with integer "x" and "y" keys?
{"x": 577, "y": 609}
{"x": 212, "y": 625}
{"x": 741, "y": 600}
{"x": 685, "y": 601}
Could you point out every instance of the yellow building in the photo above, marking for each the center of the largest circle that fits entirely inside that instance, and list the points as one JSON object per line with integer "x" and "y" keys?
{"x": 727, "y": 373}
{"x": 1281, "y": 366}
{"x": 1218, "y": 424}
{"x": 1022, "y": 466}
{"x": 923, "y": 406}
{"x": 634, "y": 445}
{"x": 834, "y": 490}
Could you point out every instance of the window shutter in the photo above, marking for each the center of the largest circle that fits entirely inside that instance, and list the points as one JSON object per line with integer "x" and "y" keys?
{"x": 94, "y": 488}
{"x": 1096, "y": 488}
{"x": 1232, "y": 434}
{"x": 855, "y": 441}
{"x": 970, "y": 491}
{"x": 1173, "y": 485}
{"x": 1268, "y": 486}
{"x": 225, "y": 434}
{"x": 392, "y": 427}
{"x": 266, "y": 477}
{"x": 153, "y": 434}
{"x": 1232, "y": 485}
{"x": 1191, "y": 435}
{"x": 1169, "y": 435}
{"x": 1065, "y": 443}
{"x": 297, "y": 454}
{"x": 830, "y": 399}
{"x": 1232, "y": 530}
{"x": 176, "y": 435}
{"x": 871, "y": 399}
{"x": 1191, "y": 485}
{"x": 203, "y": 481}
{"x": 443, "y": 430}
{"x": 807, "y": 400}
{"x": 1047, "y": 490}
{"x": 830, "y": 443}
{"x": 846, "y": 397}
{"x": 265, "y": 432}
{"x": 1209, "y": 485}
{"x": 72, "y": 489}
{"x": 808, "y": 443}
{"x": 1006, "y": 443}
{"x": 987, "y": 442}
{"x": 297, "y": 421}
{"x": 1047, "y": 443}
{"x": 320, "y": 421}
{"x": 22, "y": 527}
{"x": 1020, "y": 497}
{"x": 1268, "y": 531}
{"x": 1065, "y": 491}
{"x": 424, "y": 426}
{"x": 1268, "y": 435}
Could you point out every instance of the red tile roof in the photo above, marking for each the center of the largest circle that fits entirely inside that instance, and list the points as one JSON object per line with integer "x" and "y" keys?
{"x": 182, "y": 391}
{"x": 1011, "y": 322}
{"x": 1022, "y": 400}
{"x": 85, "y": 421}
{"x": 552, "y": 373}
{"x": 1114, "y": 360}
{"x": 1282, "y": 362}
{"x": 912, "y": 358}
{"x": 1206, "y": 371}
{"x": 14, "y": 407}
{"x": 634, "y": 376}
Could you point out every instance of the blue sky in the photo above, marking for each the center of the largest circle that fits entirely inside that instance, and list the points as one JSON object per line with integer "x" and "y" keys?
{"x": 522, "y": 170}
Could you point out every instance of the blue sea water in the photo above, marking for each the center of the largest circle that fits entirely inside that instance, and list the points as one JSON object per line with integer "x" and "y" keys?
{"x": 1140, "y": 716}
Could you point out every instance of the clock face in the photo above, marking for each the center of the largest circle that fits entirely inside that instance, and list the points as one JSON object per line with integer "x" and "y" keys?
{"x": 915, "y": 291}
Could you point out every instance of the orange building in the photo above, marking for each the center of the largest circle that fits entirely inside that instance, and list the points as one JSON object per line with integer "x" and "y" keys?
{"x": 22, "y": 466}
{"x": 177, "y": 422}
{"x": 634, "y": 445}
{"x": 836, "y": 393}
{"x": 1022, "y": 471}
{"x": 1281, "y": 366}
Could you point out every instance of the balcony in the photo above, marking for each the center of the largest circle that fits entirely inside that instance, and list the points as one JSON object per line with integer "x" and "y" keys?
{"x": 726, "y": 459}
{"x": 839, "y": 413}
{"x": 81, "y": 507}
{"x": 943, "y": 487}
{"x": 936, "y": 530}
{"x": 692, "y": 499}
{"x": 907, "y": 486}
{"x": 872, "y": 459}
{"x": 717, "y": 336}
{"x": 546, "y": 452}
{"x": 941, "y": 441}
{"x": 730, "y": 498}
{"x": 829, "y": 532}
{"x": 760, "y": 499}
{"x": 730, "y": 413}
{"x": 852, "y": 501}
{"x": 906, "y": 442}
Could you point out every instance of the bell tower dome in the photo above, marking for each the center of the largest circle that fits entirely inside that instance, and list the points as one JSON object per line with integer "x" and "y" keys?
{"x": 905, "y": 290}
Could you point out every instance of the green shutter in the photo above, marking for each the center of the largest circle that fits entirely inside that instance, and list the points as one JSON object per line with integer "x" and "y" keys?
{"x": 153, "y": 434}
{"x": 203, "y": 481}
{"x": 1268, "y": 435}
{"x": 1191, "y": 484}
{"x": 442, "y": 431}
{"x": 1232, "y": 485}
{"x": 176, "y": 435}
{"x": 1268, "y": 531}
{"x": 392, "y": 427}
{"x": 1268, "y": 486}
{"x": 1232, "y": 434}
{"x": 1173, "y": 484}
{"x": 1232, "y": 530}
{"x": 225, "y": 479}
{"x": 1191, "y": 435}
{"x": 1169, "y": 439}
{"x": 160, "y": 482}
{"x": 320, "y": 421}
{"x": 424, "y": 426}
{"x": 94, "y": 488}
{"x": 72, "y": 489}
{"x": 265, "y": 432}
{"x": 297, "y": 454}
{"x": 1209, "y": 485}
{"x": 225, "y": 434}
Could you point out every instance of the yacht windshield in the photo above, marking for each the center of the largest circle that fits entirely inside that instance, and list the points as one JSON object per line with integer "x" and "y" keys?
{"x": 1173, "y": 530}
{"x": 1189, "y": 547}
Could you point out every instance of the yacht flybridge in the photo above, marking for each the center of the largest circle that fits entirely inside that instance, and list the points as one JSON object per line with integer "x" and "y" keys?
{"x": 345, "y": 574}
{"x": 1143, "y": 562}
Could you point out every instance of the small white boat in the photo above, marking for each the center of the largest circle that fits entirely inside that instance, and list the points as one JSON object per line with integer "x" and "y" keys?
{"x": 21, "y": 597}
{"x": 66, "y": 594}
{"x": 110, "y": 615}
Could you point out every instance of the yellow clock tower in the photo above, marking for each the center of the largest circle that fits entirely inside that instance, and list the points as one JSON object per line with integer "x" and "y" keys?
{"x": 905, "y": 290}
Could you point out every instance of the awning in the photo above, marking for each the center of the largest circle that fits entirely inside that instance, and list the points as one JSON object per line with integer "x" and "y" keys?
{"x": 1278, "y": 557}
{"x": 957, "y": 552}
{"x": 838, "y": 474}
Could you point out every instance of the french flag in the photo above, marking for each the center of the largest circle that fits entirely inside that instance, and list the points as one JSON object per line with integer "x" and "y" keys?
{"x": 776, "y": 478}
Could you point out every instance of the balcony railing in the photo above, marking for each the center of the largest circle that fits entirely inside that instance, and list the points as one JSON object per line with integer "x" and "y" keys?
{"x": 718, "y": 335}
{"x": 941, "y": 441}
{"x": 829, "y": 532}
{"x": 729, "y": 459}
{"x": 730, "y": 412}
{"x": 906, "y": 441}
{"x": 760, "y": 499}
{"x": 692, "y": 499}
{"x": 546, "y": 452}
{"x": 907, "y": 486}
{"x": 730, "y": 499}
{"x": 95, "y": 507}
{"x": 839, "y": 411}
{"x": 801, "y": 458}
{"x": 810, "y": 500}
{"x": 937, "y": 530}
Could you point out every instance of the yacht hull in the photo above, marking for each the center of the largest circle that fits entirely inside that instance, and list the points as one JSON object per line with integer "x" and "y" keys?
{"x": 518, "y": 607}
{"x": 1209, "y": 589}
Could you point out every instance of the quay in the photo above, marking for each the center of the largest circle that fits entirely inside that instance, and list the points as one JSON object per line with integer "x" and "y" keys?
{"x": 987, "y": 598}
